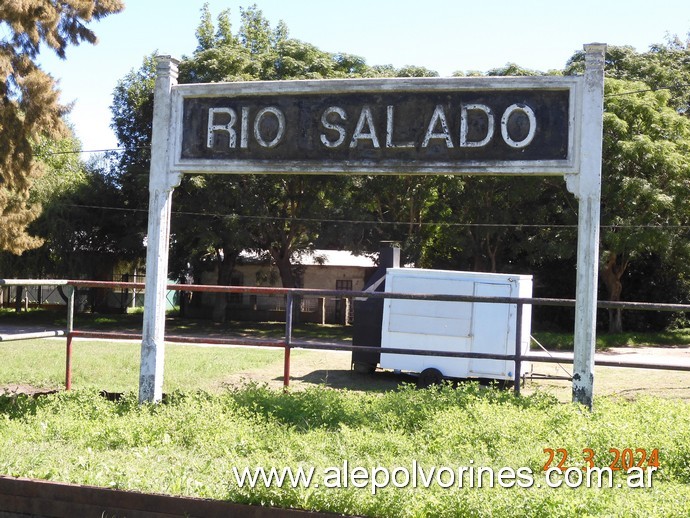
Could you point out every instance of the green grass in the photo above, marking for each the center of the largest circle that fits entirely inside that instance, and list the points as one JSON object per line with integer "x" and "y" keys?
{"x": 191, "y": 444}
{"x": 306, "y": 331}
{"x": 564, "y": 341}
{"x": 114, "y": 366}
{"x": 132, "y": 322}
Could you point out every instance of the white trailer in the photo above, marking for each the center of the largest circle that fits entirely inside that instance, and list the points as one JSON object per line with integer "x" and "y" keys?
{"x": 454, "y": 326}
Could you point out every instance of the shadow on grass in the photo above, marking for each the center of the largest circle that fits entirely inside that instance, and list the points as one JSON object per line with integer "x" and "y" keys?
{"x": 350, "y": 380}
{"x": 382, "y": 381}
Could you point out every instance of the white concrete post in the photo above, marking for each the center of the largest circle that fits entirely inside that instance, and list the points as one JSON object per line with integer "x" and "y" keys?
{"x": 161, "y": 185}
{"x": 587, "y": 188}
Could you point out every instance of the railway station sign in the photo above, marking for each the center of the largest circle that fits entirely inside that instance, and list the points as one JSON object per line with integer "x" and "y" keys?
{"x": 476, "y": 125}
{"x": 370, "y": 126}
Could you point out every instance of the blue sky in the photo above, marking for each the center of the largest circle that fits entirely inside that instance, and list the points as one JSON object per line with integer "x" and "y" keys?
{"x": 443, "y": 35}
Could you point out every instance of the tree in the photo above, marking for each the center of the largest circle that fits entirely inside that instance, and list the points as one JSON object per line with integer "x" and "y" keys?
{"x": 128, "y": 168}
{"x": 663, "y": 66}
{"x": 646, "y": 174}
{"x": 80, "y": 226}
{"x": 29, "y": 106}
{"x": 274, "y": 208}
{"x": 208, "y": 230}
{"x": 644, "y": 168}
{"x": 277, "y": 214}
{"x": 396, "y": 207}
{"x": 63, "y": 171}
{"x": 497, "y": 223}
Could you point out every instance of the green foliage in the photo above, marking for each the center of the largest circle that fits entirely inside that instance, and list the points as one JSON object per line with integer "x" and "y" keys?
{"x": 398, "y": 205}
{"x": 499, "y": 224}
{"x": 278, "y": 215}
{"x": 191, "y": 444}
{"x": 63, "y": 174}
{"x": 645, "y": 181}
{"x": 76, "y": 240}
{"x": 64, "y": 170}
{"x": 662, "y": 67}
{"x": 512, "y": 69}
{"x": 29, "y": 107}
{"x": 132, "y": 114}
{"x": 644, "y": 199}
{"x": 205, "y": 32}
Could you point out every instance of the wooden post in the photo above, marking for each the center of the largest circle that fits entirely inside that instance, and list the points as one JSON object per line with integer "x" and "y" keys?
{"x": 322, "y": 310}
{"x": 587, "y": 188}
{"x": 71, "y": 293}
{"x": 161, "y": 185}
{"x": 289, "y": 307}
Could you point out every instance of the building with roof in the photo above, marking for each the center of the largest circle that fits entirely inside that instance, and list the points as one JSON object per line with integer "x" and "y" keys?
{"x": 321, "y": 269}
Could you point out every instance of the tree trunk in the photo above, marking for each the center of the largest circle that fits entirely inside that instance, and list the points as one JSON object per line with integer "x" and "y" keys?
{"x": 226, "y": 265}
{"x": 492, "y": 252}
{"x": 103, "y": 271}
{"x": 287, "y": 276}
{"x": 186, "y": 296}
{"x": 289, "y": 280}
{"x": 18, "y": 299}
{"x": 611, "y": 275}
{"x": 478, "y": 256}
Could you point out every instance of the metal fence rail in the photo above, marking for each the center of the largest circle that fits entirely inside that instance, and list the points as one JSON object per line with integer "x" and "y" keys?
{"x": 287, "y": 343}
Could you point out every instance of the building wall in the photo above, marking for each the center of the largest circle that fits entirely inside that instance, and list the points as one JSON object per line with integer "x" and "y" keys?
{"x": 327, "y": 277}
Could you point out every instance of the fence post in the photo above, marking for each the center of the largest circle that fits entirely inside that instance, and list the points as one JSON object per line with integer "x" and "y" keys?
{"x": 289, "y": 303}
{"x": 518, "y": 348}
{"x": 71, "y": 292}
{"x": 70, "y": 328}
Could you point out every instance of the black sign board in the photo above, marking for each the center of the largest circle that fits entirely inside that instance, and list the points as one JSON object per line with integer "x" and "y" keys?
{"x": 389, "y": 131}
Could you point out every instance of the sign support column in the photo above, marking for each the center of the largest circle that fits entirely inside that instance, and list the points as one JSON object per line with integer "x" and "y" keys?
{"x": 161, "y": 185}
{"x": 586, "y": 186}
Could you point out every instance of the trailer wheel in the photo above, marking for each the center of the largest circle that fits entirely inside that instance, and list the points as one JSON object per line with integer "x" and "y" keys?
{"x": 364, "y": 368}
{"x": 429, "y": 377}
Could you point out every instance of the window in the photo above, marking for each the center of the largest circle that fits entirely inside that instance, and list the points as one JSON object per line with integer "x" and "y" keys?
{"x": 343, "y": 284}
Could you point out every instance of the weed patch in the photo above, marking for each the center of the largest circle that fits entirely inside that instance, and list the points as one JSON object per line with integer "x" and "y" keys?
{"x": 191, "y": 444}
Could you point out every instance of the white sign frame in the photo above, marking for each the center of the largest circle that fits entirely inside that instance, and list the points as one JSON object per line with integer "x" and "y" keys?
{"x": 572, "y": 84}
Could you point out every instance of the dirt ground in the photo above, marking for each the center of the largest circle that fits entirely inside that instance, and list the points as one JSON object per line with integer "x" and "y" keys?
{"x": 309, "y": 368}
{"x": 29, "y": 390}
{"x": 629, "y": 383}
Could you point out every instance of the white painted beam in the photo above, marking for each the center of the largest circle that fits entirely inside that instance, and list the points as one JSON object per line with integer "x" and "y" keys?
{"x": 587, "y": 188}
{"x": 161, "y": 185}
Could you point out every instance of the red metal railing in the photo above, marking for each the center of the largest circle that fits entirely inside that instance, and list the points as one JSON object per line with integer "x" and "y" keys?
{"x": 287, "y": 342}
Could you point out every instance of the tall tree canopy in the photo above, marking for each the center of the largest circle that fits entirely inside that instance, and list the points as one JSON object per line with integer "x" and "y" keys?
{"x": 484, "y": 223}
{"x": 29, "y": 104}
{"x": 645, "y": 191}
{"x": 646, "y": 183}
{"x": 277, "y": 215}
{"x": 665, "y": 66}
{"x": 645, "y": 171}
